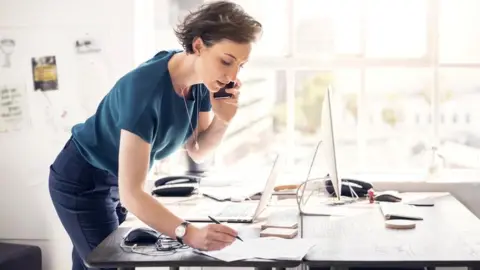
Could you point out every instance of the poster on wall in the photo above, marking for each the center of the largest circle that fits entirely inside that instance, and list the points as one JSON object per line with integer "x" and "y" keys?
{"x": 44, "y": 73}
{"x": 7, "y": 46}
{"x": 12, "y": 108}
{"x": 84, "y": 46}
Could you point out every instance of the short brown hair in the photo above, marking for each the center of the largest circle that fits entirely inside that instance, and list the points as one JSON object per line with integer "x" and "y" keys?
{"x": 215, "y": 21}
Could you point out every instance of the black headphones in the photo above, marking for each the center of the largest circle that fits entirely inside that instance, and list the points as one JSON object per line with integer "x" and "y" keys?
{"x": 175, "y": 186}
{"x": 361, "y": 188}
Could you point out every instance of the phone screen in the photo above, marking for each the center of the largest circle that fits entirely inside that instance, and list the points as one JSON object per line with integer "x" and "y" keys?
{"x": 222, "y": 93}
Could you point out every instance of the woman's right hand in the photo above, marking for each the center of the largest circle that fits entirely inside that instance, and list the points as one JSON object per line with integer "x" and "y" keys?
{"x": 210, "y": 237}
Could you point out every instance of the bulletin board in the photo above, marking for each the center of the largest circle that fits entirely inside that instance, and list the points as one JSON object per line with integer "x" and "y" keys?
{"x": 48, "y": 83}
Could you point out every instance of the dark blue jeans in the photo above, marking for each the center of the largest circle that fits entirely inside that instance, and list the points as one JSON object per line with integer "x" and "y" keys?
{"x": 86, "y": 200}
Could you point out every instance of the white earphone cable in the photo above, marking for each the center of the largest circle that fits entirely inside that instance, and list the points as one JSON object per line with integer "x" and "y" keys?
{"x": 195, "y": 134}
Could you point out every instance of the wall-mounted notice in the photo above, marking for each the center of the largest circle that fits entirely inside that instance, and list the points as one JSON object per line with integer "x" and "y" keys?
{"x": 44, "y": 73}
{"x": 12, "y": 108}
{"x": 7, "y": 46}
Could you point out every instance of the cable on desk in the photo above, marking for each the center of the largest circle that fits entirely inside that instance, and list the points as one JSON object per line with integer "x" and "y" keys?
{"x": 300, "y": 194}
{"x": 163, "y": 247}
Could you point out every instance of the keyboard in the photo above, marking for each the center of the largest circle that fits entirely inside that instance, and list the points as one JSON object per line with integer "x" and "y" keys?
{"x": 400, "y": 211}
{"x": 230, "y": 210}
{"x": 237, "y": 210}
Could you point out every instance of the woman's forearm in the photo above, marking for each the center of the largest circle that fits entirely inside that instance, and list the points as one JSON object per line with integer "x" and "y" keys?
{"x": 153, "y": 213}
{"x": 132, "y": 173}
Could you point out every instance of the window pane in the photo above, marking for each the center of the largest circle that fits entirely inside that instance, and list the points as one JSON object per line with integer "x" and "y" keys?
{"x": 399, "y": 119}
{"x": 396, "y": 29}
{"x": 326, "y": 27}
{"x": 460, "y": 117}
{"x": 459, "y": 32}
{"x": 250, "y": 140}
{"x": 310, "y": 87}
{"x": 272, "y": 14}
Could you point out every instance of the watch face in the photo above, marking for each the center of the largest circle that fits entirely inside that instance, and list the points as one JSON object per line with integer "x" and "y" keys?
{"x": 180, "y": 231}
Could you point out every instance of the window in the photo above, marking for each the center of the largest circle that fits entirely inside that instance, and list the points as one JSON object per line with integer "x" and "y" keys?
{"x": 364, "y": 49}
{"x": 395, "y": 96}
{"x": 310, "y": 89}
{"x": 405, "y": 73}
{"x": 396, "y": 29}
{"x": 258, "y": 125}
{"x": 460, "y": 95}
{"x": 275, "y": 25}
{"x": 459, "y": 34}
{"x": 327, "y": 28}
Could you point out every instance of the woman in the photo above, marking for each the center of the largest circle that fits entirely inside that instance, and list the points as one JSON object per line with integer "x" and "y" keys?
{"x": 163, "y": 104}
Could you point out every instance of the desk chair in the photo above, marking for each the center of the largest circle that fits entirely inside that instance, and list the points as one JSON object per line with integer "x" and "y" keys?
{"x": 15, "y": 256}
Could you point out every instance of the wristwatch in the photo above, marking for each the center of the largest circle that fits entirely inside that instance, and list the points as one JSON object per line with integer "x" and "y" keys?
{"x": 181, "y": 230}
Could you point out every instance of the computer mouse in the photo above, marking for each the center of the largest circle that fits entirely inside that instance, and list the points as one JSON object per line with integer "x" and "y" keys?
{"x": 388, "y": 197}
{"x": 141, "y": 236}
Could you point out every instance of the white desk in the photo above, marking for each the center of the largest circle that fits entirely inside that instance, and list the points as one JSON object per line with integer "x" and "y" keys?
{"x": 179, "y": 205}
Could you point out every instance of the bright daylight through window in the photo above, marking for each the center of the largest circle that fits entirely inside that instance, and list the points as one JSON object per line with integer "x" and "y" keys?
{"x": 405, "y": 73}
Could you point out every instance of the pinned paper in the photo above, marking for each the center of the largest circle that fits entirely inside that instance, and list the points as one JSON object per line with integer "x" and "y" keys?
{"x": 12, "y": 108}
{"x": 45, "y": 76}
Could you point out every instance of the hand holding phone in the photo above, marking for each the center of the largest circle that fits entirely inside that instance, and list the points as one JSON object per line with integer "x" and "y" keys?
{"x": 222, "y": 93}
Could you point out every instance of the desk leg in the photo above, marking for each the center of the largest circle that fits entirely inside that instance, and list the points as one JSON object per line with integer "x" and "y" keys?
{"x": 174, "y": 268}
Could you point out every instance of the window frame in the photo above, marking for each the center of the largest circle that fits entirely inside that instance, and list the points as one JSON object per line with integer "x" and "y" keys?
{"x": 292, "y": 62}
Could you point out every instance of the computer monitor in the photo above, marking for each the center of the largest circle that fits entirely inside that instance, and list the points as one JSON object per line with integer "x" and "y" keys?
{"x": 328, "y": 139}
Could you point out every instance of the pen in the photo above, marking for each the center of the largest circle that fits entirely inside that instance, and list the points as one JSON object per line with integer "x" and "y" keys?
{"x": 216, "y": 221}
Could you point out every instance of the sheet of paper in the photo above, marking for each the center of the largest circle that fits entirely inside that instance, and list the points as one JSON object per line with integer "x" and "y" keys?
{"x": 263, "y": 248}
{"x": 281, "y": 249}
{"x": 13, "y": 112}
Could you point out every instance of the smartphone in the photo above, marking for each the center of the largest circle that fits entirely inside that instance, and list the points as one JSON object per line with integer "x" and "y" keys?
{"x": 222, "y": 93}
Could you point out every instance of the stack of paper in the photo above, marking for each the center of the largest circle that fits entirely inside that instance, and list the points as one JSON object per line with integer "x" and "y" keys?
{"x": 271, "y": 248}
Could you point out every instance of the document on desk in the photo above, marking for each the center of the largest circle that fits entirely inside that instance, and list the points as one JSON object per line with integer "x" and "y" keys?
{"x": 270, "y": 248}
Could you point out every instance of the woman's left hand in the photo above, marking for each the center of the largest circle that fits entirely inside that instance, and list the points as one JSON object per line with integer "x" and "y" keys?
{"x": 225, "y": 109}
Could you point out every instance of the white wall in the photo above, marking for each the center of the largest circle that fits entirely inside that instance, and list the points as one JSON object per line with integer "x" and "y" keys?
{"x": 41, "y": 28}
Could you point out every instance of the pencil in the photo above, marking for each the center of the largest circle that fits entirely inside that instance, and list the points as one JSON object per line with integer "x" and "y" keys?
{"x": 218, "y": 222}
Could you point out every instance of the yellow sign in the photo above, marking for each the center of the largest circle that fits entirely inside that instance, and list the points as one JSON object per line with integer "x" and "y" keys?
{"x": 45, "y": 73}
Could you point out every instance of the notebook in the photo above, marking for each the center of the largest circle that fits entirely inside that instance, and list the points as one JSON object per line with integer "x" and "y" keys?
{"x": 397, "y": 210}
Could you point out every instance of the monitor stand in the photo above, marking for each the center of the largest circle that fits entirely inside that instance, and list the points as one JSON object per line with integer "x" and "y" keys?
{"x": 341, "y": 201}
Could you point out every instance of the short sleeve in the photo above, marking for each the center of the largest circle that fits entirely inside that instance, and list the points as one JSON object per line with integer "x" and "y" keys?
{"x": 205, "y": 104}
{"x": 135, "y": 111}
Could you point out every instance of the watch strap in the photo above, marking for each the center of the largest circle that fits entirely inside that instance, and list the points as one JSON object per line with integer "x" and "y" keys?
{"x": 185, "y": 225}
